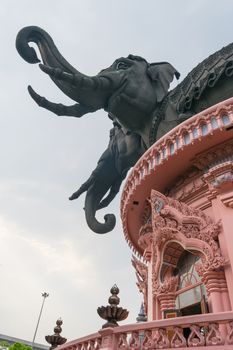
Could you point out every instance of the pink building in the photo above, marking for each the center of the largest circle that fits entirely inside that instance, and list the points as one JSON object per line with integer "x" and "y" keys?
{"x": 176, "y": 211}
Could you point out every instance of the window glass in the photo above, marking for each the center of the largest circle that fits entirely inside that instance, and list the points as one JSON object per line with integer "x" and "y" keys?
{"x": 204, "y": 129}
{"x": 214, "y": 123}
{"x": 186, "y": 138}
{"x": 189, "y": 297}
{"x": 195, "y": 133}
{"x": 172, "y": 148}
{"x": 225, "y": 119}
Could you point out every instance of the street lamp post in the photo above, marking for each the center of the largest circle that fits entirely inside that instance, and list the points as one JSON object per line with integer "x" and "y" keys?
{"x": 44, "y": 295}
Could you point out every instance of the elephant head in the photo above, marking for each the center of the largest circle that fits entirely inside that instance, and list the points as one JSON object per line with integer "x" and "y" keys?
{"x": 129, "y": 90}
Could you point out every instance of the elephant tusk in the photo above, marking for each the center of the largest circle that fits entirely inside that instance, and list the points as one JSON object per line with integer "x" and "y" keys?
{"x": 78, "y": 80}
{"x": 77, "y": 110}
{"x": 57, "y": 73}
{"x": 41, "y": 101}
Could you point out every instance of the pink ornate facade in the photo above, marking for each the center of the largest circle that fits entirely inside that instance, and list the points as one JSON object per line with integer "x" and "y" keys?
{"x": 177, "y": 214}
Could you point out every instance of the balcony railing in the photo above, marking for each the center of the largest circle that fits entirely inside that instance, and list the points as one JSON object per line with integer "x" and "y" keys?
{"x": 213, "y": 331}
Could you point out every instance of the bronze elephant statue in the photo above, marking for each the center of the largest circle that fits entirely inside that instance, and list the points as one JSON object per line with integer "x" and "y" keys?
{"x": 122, "y": 152}
{"x": 135, "y": 95}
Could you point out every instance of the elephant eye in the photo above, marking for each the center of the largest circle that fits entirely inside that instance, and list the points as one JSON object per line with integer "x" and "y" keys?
{"x": 121, "y": 65}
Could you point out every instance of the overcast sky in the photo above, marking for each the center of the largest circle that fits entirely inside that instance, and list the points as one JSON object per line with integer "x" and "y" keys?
{"x": 45, "y": 244}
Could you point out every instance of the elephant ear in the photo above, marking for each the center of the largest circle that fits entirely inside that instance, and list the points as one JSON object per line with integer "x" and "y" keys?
{"x": 162, "y": 74}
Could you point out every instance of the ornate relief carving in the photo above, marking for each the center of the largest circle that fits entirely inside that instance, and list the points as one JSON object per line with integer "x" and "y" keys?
{"x": 220, "y": 180}
{"x": 161, "y": 340}
{"x": 166, "y": 292}
{"x": 147, "y": 343}
{"x": 213, "y": 175}
{"x": 142, "y": 279}
{"x": 122, "y": 343}
{"x": 176, "y": 221}
{"x": 175, "y": 216}
{"x": 168, "y": 286}
{"x": 212, "y": 157}
{"x": 230, "y": 333}
{"x": 146, "y": 215}
{"x": 214, "y": 336}
{"x": 178, "y": 340}
{"x": 195, "y": 337}
{"x": 188, "y": 186}
{"x": 145, "y": 240}
{"x": 134, "y": 343}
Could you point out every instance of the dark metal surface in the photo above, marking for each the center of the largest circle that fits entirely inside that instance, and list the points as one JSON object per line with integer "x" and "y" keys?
{"x": 56, "y": 339}
{"x": 112, "y": 313}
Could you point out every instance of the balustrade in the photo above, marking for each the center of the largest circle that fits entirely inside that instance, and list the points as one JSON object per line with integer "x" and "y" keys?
{"x": 213, "y": 331}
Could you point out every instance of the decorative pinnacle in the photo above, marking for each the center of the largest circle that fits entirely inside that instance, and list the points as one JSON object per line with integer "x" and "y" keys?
{"x": 56, "y": 339}
{"x": 114, "y": 299}
{"x": 142, "y": 315}
{"x": 112, "y": 313}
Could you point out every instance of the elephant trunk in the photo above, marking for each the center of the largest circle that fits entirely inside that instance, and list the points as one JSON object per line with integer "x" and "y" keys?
{"x": 89, "y": 91}
{"x": 91, "y": 206}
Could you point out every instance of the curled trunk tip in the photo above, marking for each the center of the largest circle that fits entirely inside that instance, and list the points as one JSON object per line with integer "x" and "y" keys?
{"x": 102, "y": 228}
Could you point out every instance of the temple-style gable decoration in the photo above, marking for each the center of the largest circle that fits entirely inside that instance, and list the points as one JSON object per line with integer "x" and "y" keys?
{"x": 190, "y": 227}
{"x": 142, "y": 279}
{"x": 175, "y": 235}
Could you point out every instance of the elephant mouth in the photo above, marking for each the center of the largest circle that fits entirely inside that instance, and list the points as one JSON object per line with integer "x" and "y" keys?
{"x": 116, "y": 97}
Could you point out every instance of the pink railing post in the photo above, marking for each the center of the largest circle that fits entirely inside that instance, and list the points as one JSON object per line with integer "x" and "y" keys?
{"x": 108, "y": 339}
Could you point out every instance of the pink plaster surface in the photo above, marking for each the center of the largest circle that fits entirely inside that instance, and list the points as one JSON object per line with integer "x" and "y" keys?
{"x": 196, "y": 174}
{"x": 165, "y": 161}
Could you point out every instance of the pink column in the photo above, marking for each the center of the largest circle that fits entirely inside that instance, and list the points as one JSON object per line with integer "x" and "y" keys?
{"x": 215, "y": 283}
{"x": 225, "y": 214}
{"x": 151, "y": 313}
{"x": 167, "y": 301}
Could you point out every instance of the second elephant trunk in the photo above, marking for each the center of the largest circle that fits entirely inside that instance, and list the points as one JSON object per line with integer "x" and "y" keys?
{"x": 91, "y": 205}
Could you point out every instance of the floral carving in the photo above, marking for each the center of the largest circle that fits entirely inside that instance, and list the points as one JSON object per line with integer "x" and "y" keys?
{"x": 230, "y": 334}
{"x": 145, "y": 240}
{"x": 166, "y": 235}
{"x": 142, "y": 278}
{"x": 178, "y": 340}
{"x": 219, "y": 179}
{"x": 134, "y": 343}
{"x": 161, "y": 340}
{"x": 177, "y": 217}
{"x": 122, "y": 343}
{"x": 147, "y": 343}
{"x": 188, "y": 185}
{"x": 195, "y": 337}
{"x": 214, "y": 336}
{"x": 211, "y": 157}
{"x": 146, "y": 215}
{"x": 176, "y": 221}
{"x": 169, "y": 285}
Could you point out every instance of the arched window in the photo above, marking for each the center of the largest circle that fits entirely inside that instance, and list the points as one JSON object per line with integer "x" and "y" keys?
{"x": 190, "y": 293}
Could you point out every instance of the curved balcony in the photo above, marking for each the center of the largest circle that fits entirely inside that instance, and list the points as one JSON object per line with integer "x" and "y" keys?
{"x": 213, "y": 331}
{"x": 168, "y": 158}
